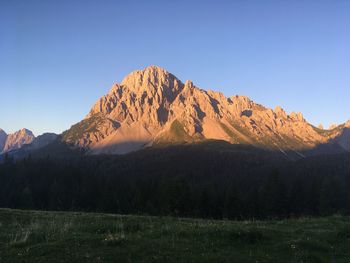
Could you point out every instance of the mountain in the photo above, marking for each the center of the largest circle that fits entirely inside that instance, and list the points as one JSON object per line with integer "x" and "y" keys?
{"x": 41, "y": 146}
{"x": 153, "y": 107}
{"x": 47, "y": 144}
{"x": 41, "y": 141}
{"x": 17, "y": 140}
{"x": 341, "y": 135}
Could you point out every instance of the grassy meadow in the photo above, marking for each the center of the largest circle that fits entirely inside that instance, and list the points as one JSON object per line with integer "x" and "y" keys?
{"x": 35, "y": 236}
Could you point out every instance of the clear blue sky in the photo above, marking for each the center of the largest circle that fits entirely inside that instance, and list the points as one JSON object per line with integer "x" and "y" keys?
{"x": 58, "y": 57}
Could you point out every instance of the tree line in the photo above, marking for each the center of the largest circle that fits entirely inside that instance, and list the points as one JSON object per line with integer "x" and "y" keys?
{"x": 181, "y": 181}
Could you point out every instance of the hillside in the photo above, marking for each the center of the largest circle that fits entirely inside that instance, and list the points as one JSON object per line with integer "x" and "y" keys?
{"x": 33, "y": 236}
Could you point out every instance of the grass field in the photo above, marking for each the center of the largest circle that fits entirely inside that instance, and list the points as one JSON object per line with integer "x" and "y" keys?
{"x": 33, "y": 236}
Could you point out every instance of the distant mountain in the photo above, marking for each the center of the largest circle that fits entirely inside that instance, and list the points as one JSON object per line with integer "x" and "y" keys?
{"x": 41, "y": 141}
{"x": 47, "y": 144}
{"x": 15, "y": 140}
{"x": 152, "y": 107}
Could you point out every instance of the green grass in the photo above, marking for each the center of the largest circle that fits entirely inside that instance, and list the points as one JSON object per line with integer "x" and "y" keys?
{"x": 32, "y": 236}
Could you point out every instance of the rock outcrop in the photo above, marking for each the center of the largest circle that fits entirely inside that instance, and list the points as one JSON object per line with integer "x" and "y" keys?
{"x": 152, "y": 106}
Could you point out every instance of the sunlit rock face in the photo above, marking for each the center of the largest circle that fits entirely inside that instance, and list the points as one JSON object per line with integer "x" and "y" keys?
{"x": 18, "y": 139}
{"x": 152, "y": 106}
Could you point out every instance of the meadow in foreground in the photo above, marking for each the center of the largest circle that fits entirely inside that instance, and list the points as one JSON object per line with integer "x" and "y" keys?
{"x": 34, "y": 236}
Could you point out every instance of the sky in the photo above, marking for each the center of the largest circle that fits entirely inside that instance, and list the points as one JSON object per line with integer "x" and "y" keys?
{"x": 58, "y": 57}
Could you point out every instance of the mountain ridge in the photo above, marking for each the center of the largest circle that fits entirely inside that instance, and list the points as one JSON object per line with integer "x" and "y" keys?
{"x": 153, "y": 106}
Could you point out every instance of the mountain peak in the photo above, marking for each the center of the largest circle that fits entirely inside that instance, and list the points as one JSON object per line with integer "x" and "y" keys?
{"x": 189, "y": 84}
{"x": 151, "y": 73}
{"x": 152, "y": 80}
{"x": 18, "y": 139}
{"x": 280, "y": 112}
{"x": 25, "y": 131}
{"x": 297, "y": 116}
{"x": 155, "y": 68}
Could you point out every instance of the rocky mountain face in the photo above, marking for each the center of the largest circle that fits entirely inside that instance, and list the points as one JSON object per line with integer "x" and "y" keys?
{"x": 3, "y": 138}
{"x": 152, "y": 106}
{"x": 43, "y": 140}
{"x": 23, "y": 143}
{"x": 17, "y": 140}
{"x": 38, "y": 144}
{"x": 341, "y": 135}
